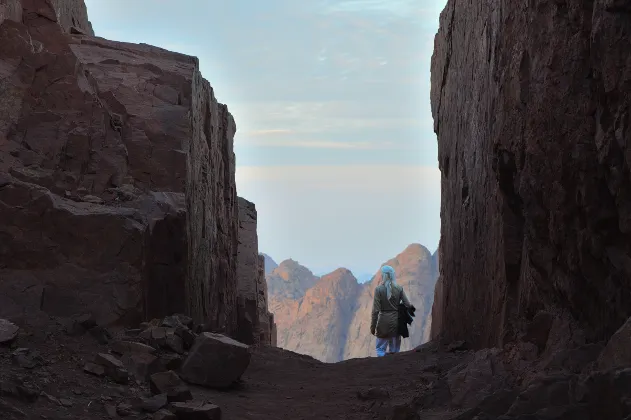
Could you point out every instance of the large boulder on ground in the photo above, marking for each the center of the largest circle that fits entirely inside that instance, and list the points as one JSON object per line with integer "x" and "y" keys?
{"x": 215, "y": 361}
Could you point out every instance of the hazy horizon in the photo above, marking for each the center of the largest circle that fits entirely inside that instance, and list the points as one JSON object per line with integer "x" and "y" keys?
{"x": 335, "y": 141}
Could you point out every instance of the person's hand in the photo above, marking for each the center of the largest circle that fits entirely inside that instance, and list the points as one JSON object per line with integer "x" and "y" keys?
{"x": 372, "y": 331}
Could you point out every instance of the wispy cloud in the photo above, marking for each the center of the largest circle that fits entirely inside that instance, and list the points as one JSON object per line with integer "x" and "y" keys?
{"x": 345, "y": 177}
{"x": 319, "y": 144}
{"x": 271, "y": 132}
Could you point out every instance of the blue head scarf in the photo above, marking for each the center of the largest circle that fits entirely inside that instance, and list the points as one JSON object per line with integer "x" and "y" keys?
{"x": 388, "y": 279}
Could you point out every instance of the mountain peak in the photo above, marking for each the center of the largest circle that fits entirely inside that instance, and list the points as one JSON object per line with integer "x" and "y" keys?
{"x": 290, "y": 280}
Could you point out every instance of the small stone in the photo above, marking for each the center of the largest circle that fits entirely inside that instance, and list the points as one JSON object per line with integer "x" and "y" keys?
{"x": 65, "y": 402}
{"x": 124, "y": 347}
{"x": 171, "y": 322}
{"x": 196, "y": 411}
{"x": 111, "y": 411}
{"x": 171, "y": 384}
{"x": 171, "y": 361}
{"x": 174, "y": 342}
{"x": 86, "y": 321}
{"x": 457, "y": 346}
{"x": 108, "y": 361}
{"x": 142, "y": 365}
{"x": 27, "y": 358}
{"x": 155, "y": 403}
{"x": 94, "y": 369}
{"x": 164, "y": 415}
{"x": 114, "y": 368}
{"x": 187, "y": 336}
{"x": 101, "y": 334}
{"x": 123, "y": 410}
{"x": 8, "y": 331}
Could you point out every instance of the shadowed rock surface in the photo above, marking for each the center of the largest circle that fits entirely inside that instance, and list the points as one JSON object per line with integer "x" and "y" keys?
{"x": 256, "y": 324}
{"x": 98, "y": 142}
{"x": 531, "y": 110}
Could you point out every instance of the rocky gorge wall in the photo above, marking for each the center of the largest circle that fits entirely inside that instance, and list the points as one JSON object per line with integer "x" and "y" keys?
{"x": 532, "y": 117}
{"x": 99, "y": 140}
{"x": 255, "y": 321}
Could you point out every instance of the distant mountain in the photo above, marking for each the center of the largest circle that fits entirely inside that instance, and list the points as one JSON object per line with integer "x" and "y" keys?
{"x": 329, "y": 317}
{"x": 289, "y": 280}
{"x": 270, "y": 264}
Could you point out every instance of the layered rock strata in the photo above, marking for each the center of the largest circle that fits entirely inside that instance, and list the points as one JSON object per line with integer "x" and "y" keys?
{"x": 98, "y": 142}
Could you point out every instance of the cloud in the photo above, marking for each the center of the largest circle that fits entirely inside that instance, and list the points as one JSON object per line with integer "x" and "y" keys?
{"x": 271, "y": 132}
{"x": 318, "y": 144}
{"x": 342, "y": 177}
{"x": 356, "y": 215}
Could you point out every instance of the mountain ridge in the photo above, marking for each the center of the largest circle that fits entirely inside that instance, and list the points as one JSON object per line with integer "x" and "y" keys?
{"x": 328, "y": 317}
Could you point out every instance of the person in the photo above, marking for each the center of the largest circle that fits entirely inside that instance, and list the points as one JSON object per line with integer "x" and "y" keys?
{"x": 385, "y": 313}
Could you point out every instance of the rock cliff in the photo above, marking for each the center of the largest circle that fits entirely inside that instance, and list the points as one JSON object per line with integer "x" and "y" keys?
{"x": 532, "y": 119}
{"x": 254, "y": 321}
{"x": 99, "y": 140}
{"x": 331, "y": 319}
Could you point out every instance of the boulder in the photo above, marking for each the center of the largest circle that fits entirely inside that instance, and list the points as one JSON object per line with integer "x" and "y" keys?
{"x": 215, "y": 361}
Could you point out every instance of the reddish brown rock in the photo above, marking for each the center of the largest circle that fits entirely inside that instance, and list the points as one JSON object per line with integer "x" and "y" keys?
{"x": 331, "y": 322}
{"x": 253, "y": 317}
{"x": 532, "y": 117}
{"x": 92, "y": 134}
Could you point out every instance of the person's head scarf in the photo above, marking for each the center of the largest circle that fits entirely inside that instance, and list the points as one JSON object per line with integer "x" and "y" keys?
{"x": 388, "y": 279}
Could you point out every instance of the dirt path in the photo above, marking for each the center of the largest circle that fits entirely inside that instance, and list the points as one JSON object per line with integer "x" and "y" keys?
{"x": 277, "y": 385}
{"x": 283, "y": 385}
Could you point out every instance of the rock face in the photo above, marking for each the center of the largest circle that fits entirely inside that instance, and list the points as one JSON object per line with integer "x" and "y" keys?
{"x": 331, "y": 320}
{"x": 533, "y": 132}
{"x": 98, "y": 142}
{"x": 253, "y": 319}
{"x": 290, "y": 280}
{"x": 318, "y": 325}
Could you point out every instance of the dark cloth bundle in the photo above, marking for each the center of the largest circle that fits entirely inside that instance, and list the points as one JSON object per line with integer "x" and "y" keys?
{"x": 406, "y": 316}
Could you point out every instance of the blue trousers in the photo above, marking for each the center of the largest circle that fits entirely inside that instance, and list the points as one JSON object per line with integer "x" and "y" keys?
{"x": 393, "y": 344}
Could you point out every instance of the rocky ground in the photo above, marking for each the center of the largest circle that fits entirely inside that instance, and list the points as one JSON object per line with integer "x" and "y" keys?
{"x": 72, "y": 369}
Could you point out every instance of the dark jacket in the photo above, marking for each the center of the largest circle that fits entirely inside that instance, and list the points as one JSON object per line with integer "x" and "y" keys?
{"x": 385, "y": 313}
{"x": 406, "y": 316}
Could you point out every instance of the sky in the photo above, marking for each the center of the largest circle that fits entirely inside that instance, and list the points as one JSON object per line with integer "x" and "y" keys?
{"x": 335, "y": 141}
